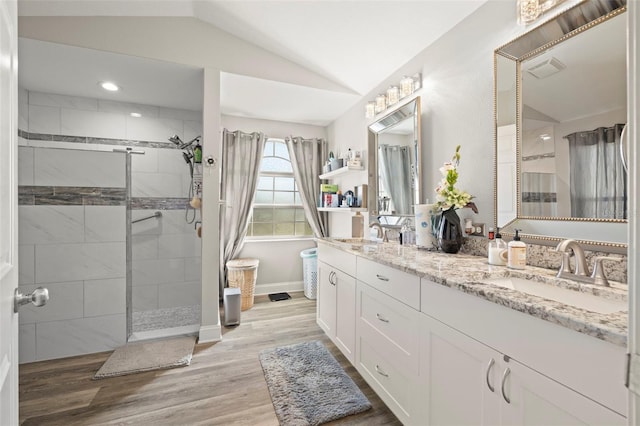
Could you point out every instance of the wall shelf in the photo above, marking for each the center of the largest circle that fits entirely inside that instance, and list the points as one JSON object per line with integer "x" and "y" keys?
{"x": 342, "y": 209}
{"x": 341, "y": 171}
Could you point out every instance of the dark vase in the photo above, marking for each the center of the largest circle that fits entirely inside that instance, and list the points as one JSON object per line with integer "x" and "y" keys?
{"x": 450, "y": 232}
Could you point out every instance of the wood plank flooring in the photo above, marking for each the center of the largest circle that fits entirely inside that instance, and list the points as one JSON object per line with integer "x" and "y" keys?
{"x": 224, "y": 385}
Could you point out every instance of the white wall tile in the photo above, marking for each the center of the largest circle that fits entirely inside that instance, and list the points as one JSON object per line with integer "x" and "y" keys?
{"x": 174, "y": 222}
{"x": 92, "y": 123}
{"x": 193, "y": 269}
{"x": 27, "y": 343}
{"x": 44, "y": 120}
{"x": 74, "y": 262}
{"x": 153, "y": 129}
{"x": 65, "y": 302}
{"x": 158, "y": 271}
{"x": 105, "y": 223}
{"x": 182, "y": 294}
{"x": 146, "y": 227}
{"x": 156, "y": 185}
{"x": 127, "y": 108}
{"x": 27, "y": 264}
{"x": 60, "y": 167}
{"x": 62, "y": 101}
{"x": 144, "y": 298}
{"x": 172, "y": 161}
{"x": 144, "y": 247}
{"x": 44, "y": 224}
{"x": 105, "y": 297}
{"x": 23, "y": 109}
{"x": 147, "y": 162}
{"x": 180, "y": 114}
{"x": 192, "y": 129}
{"x": 58, "y": 339}
{"x": 25, "y": 165}
{"x": 179, "y": 245}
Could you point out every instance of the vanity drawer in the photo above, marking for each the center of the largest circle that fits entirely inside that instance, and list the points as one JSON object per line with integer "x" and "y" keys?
{"x": 397, "y": 284}
{"x": 389, "y": 326}
{"x": 399, "y": 391}
{"x": 337, "y": 258}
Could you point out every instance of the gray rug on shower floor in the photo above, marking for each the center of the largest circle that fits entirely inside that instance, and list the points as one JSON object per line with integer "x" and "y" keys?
{"x": 308, "y": 386}
{"x": 147, "y": 356}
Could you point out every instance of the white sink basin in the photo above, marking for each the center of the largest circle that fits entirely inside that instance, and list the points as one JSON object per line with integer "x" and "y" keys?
{"x": 574, "y": 298}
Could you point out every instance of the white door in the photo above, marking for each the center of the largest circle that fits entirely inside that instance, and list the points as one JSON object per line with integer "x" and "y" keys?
{"x": 8, "y": 213}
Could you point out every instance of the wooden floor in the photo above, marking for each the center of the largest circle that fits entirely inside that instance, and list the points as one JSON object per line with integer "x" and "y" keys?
{"x": 224, "y": 385}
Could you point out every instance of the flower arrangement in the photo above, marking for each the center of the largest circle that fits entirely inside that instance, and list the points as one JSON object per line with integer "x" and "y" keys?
{"x": 447, "y": 195}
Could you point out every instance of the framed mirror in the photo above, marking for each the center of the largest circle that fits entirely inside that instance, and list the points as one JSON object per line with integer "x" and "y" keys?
{"x": 394, "y": 161}
{"x": 560, "y": 111}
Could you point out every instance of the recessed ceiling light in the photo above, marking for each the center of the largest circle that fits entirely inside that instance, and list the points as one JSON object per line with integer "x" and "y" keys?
{"x": 108, "y": 85}
{"x": 136, "y": 114}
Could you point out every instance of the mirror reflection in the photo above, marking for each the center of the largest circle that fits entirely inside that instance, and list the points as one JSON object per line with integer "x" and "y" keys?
{"x": 394, "y": 143}
{"x": 560, "y": 98}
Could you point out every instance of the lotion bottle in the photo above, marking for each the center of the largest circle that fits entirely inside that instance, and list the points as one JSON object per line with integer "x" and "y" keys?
{"x": 497, "y": 250}
{"x": 517, "y": 253}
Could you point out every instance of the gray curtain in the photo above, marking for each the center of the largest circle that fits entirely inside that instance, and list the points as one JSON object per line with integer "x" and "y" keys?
{"x": 307, "y": 157}
{"x": 598, "y": 180}
{"x": 395, "y": 166}
{"x": 240, "y": 166}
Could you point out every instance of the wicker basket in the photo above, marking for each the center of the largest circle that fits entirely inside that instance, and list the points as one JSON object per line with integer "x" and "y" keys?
{"x": 242, "y": 273}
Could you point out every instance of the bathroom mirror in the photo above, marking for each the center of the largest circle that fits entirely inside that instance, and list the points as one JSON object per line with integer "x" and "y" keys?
{"x": 560, "y": 108}
{"x": 394, "y": 166}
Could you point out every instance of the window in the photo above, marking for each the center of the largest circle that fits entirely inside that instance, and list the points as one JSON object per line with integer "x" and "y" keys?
{"x": 277, "y": 210}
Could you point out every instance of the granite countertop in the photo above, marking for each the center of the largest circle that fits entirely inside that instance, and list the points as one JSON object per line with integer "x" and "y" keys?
{"x": 469, "y": 274}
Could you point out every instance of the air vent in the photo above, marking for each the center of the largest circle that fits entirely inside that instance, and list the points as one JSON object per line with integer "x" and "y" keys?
{"x": 546, "y": 68}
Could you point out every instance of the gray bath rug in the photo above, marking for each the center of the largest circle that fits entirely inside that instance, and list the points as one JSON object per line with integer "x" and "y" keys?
{"x": 308, "y": 386}
{"x": 147, "y": 356}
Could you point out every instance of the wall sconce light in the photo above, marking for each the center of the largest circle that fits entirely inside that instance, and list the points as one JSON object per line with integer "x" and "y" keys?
{"x": 370, "y": 109}
{"x": 530, "y": 10}
{"x": 393, "y": 95}
{"x": 381, "y": 103}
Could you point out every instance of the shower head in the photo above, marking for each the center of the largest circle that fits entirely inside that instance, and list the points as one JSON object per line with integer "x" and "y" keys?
{"x": 187, "y": 157}
{"x": 188, "y": 144}
{"x": 176, "y": 140}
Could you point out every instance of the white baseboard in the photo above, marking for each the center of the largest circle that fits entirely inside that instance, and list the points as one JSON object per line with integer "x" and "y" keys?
{"x": 210, "y": 333}
{"x": 279, "y": 287}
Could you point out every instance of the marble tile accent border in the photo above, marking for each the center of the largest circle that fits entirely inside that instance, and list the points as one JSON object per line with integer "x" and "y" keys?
{"x": 546, "y": 257}
{"x": 92, "y": 196}
{"x": 91, "y": 140}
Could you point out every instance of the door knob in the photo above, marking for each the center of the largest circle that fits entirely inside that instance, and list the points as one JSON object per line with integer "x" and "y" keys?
{"x": 39, "y": 297}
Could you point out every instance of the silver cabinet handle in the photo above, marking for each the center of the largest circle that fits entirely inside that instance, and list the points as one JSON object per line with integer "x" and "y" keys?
{"x": 381, "y": 372}
{"x": 332, "y": 276}
{"x": 381, "y": 318}
{"x": 489, "y": 367}
{"x": 382, "y": 277}
{"x": 504, "y": 380}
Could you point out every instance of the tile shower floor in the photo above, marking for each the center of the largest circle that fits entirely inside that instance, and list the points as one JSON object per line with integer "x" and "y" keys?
{"x": 164, "y": 318}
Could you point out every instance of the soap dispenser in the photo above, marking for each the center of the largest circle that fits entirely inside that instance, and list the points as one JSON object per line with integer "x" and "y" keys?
{"x": 497, "y": 250}
{"x": 517, "y": 253}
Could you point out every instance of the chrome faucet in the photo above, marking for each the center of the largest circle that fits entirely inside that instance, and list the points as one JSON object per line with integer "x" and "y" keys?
{"x": 381, "y": 233}
{"x": 581, "y": 270}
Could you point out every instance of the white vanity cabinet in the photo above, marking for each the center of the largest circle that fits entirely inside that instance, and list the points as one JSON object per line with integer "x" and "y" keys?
{"x": 465, "y": 382}
{"x": 488, "y": 365}
{"x": 387, "y": 336}
{"x": 337, "y": 298}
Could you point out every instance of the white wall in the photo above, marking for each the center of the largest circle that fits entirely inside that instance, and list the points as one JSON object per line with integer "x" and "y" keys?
{"x": 457, "y": 104}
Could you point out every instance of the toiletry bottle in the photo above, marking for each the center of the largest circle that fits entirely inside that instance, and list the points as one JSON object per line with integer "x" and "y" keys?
{"x": 517, "y": 257}
{"x": 357, "y": 225}
{"x": 197, "y": 153}
{"x": 497, "y": 250}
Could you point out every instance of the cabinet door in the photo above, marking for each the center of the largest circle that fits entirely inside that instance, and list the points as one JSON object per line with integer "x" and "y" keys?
{"x": 345, "y": 303}
{"x": 534, "y": 399}
{"x": 459, "y": 376}
{"x": 326, "y": 301}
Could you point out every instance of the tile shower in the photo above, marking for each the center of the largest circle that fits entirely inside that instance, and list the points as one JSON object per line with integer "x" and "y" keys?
{"x": 73, "y": 226}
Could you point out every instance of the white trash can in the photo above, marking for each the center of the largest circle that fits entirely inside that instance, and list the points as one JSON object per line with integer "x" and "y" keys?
{"x": 310, "y": 272}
